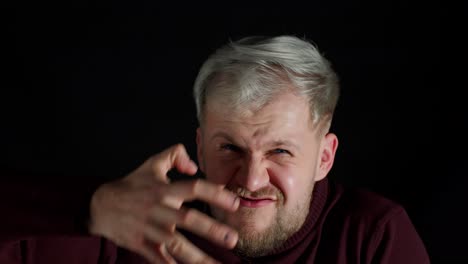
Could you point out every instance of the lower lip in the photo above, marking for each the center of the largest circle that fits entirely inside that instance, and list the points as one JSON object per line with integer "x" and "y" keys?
{"x": 255, "y": 203}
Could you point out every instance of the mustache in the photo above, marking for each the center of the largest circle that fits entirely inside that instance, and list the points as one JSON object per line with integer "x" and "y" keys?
{"x": 264, "y": 192}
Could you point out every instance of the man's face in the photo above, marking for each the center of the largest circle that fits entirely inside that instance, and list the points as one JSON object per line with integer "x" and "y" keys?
{"x": 271, "y": 158}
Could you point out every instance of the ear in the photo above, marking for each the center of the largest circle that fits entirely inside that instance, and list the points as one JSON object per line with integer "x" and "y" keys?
{"x": 201, "y": 163}
{"x": 327, "y": 155}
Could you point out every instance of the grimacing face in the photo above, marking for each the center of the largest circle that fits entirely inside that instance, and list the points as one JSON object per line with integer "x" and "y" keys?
{"x": 271, "y": 158}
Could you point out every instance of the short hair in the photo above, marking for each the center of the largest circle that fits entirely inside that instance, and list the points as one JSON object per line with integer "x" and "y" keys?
{"x": 251, "y": 71}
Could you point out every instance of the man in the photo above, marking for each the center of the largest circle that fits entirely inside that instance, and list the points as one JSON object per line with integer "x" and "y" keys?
{"x": 265, "y": 106}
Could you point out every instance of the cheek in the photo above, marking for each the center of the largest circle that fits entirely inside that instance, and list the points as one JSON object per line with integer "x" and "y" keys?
{"x": 293, "y": 181}
{"x": 285, "y": 179}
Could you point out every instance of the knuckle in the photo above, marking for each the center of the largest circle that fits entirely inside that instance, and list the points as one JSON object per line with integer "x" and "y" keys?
{"x": 195, "y": 186}
{"x": 160, "y": 247}
{"x": 176, "y": 149}
{"x": 175, "y": 247}
{"x": 187, "y": 216}
{"x": 215, "y": 229}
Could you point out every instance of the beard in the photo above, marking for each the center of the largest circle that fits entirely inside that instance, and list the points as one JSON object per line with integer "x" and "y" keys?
{"x": 285, "y": 222}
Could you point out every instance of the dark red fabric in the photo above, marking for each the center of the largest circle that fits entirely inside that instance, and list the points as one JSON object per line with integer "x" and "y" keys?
{"x": 41, "y": 224}
{"x": 44, "y": 222}
{"x": 343, "y": 226}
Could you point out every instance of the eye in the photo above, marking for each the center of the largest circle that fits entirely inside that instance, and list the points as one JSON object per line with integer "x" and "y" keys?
{"x": 280, "y": 151}
{"x": 230, "y": 147}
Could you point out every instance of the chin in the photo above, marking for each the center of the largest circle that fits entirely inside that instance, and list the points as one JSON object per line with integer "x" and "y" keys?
{"x": 247, "y": 220}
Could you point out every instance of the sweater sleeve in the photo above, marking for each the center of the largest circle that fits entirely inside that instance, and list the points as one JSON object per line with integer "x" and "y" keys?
{"x": 45, "y": 207}
{"x": 396, "y": 241}
{"x": 45, "y": 221}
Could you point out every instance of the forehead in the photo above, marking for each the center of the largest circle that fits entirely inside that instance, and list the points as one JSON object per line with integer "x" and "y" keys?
{"x": 286, "y": 115}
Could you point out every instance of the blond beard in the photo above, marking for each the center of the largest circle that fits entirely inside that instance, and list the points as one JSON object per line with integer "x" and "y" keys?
{"x": 282, "y": 227}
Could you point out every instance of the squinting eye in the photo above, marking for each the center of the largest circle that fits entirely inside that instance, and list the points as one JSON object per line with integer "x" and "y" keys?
{"x": 280, "y": 151}
{"x": 229, "y": 147}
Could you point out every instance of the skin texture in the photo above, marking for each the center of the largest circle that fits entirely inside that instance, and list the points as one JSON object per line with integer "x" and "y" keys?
{"x": 141, "y": 211}
{"x": 272, "y": 158}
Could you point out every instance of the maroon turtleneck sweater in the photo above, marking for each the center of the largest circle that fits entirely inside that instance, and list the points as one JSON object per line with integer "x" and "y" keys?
{"x": 343, "y": 226}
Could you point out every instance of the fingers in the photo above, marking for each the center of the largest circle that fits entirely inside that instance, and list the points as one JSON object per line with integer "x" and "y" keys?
{"x": 165, "y": 201}
{"x": 203, "y": 190}
{"x": 174, "y": 157}
{"x": 162, "y": 254}
{"x": 186, "y": 252}
{"x": 196, "y": 222}
{"x": 174, "y": 245}
{"x": 154, "y": 254}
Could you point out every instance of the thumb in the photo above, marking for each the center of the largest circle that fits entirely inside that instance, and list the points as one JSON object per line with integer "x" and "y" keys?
{"x": 173, "y": 157}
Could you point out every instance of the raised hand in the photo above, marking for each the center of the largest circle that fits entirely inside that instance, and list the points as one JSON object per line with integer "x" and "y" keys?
{"x": 141, "y": 211}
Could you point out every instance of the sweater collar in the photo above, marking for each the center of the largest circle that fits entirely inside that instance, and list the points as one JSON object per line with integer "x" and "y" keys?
{"x": 317, "y": 204}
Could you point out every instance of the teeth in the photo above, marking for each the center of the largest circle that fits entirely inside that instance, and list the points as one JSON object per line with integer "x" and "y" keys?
{"x": 242, "y": 193}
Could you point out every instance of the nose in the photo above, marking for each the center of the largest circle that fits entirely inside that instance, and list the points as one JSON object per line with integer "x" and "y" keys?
{"x": 253, "y": 175}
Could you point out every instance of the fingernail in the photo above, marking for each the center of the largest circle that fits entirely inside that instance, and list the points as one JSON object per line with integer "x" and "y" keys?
{"x": 230, "y": 239}
{"x": 236, "y": 202}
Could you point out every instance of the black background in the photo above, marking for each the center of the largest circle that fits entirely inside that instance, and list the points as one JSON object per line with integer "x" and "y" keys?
{"x": 92, "y": 91}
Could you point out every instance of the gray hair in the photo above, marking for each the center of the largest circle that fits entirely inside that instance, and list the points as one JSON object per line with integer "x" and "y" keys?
{"x": 249, "y": 72}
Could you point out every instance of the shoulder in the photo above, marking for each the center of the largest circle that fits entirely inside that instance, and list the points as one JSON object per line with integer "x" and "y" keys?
{"x": 362, "y": 205}
{"x": 379, "y": 228}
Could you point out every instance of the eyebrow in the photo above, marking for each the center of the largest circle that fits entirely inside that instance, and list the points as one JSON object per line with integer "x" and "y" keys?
{"x": 223, "y": 135}
{"x": 274, "y": 143}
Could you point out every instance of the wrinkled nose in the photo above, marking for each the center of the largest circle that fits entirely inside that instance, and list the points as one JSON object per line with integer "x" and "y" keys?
{"x": 253, "y": 175}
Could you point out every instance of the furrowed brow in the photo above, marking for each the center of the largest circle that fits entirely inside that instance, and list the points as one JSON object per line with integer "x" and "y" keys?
{"x": 222, "y": 134}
